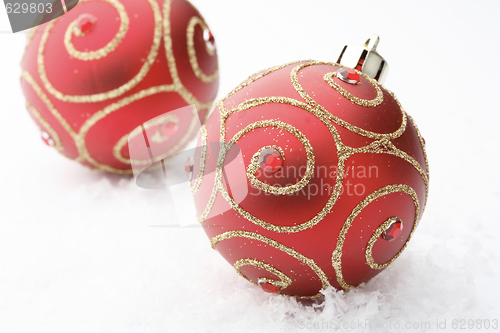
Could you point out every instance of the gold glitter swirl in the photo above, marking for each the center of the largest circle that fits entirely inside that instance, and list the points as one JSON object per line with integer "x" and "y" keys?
{"x": 179, "y": 87}
{"x": 39, "y": 21}
{"x": 79, "y": 137}
{"x": 106, "y": 111}
{"x": 184, "y": 140}
{"x": 192, "y": 52}
{"x": 53, "y": 134}
{"x": 110, "y": 47}
{"x": 363, "y": 102}
{"x": 337, "y": 253}
{"x": 254, "y": 164}
{"x": 297, "y": 255}
{"x": 376, "y": 234}
{"x": 343, "y": 123}
{"x": 157, "y": 137}
{"x": 115, "y": 92}
{"x": 38, "y": 90}
{"x": 254, "y": 77}
{"x": 283, "y": 282}
{"x": 203, "y": 157}
{"x": 168, "y": 118}
{"x": 167, "y": 38}
{"x": 219, "y": 186}
{"x": 116, "y": 106}
{"x": 119, "y": 145}
{"x": 385, "y": 146}
{"x": 422, "y": 144}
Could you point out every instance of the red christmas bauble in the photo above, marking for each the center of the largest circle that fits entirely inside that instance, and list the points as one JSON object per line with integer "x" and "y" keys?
{"x": 336, "y": 175}
{"x": 104, "y": 68}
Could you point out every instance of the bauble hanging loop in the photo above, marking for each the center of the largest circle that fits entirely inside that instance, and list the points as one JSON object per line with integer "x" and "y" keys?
{"x": 365, "y": 58}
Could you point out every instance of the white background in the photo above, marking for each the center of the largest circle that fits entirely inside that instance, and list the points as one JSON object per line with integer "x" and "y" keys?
{"x": 77, "y": 250}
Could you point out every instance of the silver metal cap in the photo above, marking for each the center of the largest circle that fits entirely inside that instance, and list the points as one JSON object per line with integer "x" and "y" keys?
{"x": 365, "y": 58}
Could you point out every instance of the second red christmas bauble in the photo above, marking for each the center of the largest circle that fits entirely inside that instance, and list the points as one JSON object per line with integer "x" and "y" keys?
{"x": 336, "y": 175}
{"x": 96, "y": 73}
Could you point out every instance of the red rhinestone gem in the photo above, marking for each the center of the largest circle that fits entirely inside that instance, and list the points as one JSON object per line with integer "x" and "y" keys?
{"x": 270, "y": 160}
{"x": 209, "y": 39}
{"x": 268, "y": 287}
{"x": 168, "y": 129}
{"x": 47, "y": 139}
{"x": 85, "y": 23}
{"x": 394, "y": 230}
{"x": 348, "y": 75}
{"x": 188, "y": 168}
